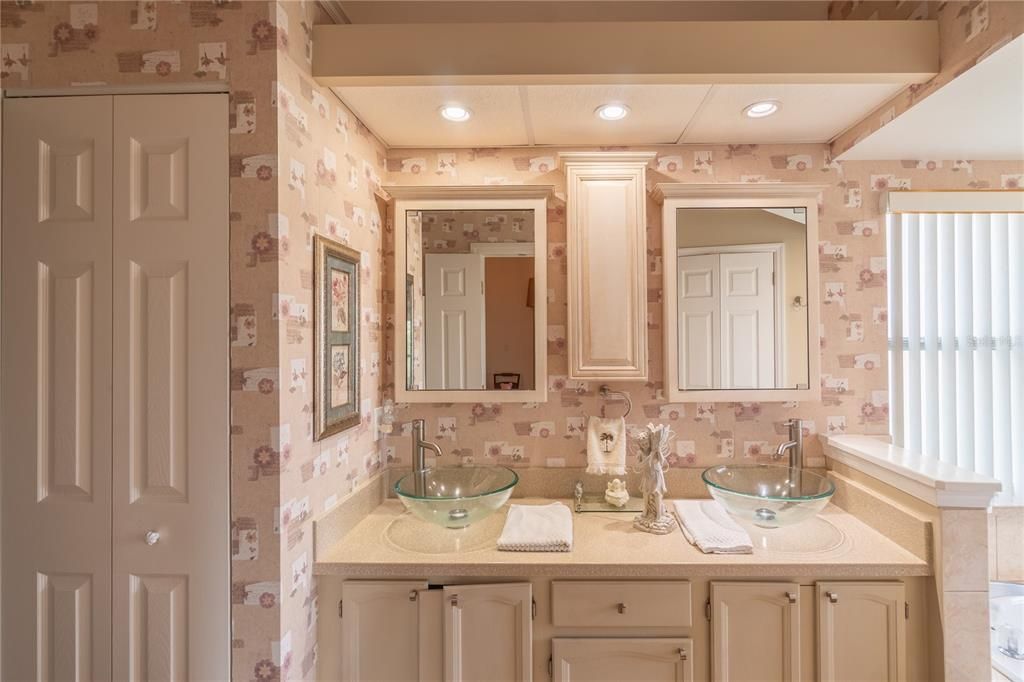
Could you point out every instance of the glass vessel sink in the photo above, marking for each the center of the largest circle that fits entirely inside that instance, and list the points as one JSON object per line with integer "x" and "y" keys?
{"x": 455, "y": 497}
{"x": 768, "y": 496}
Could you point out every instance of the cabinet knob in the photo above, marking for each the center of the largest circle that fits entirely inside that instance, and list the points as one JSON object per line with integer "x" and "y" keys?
{"x": 832, "y": 597}
{"x": 682, "y": 654}
{"x": 454, "y": 600}
{"x": 791, "y": 596}
{"x": 620, "y": 607}
{"x": 152, "y": 537}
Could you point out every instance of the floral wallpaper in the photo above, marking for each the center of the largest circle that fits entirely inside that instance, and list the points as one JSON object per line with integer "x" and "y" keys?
{"x": 331, "y": 170}
{"x": 852, "y": 336}
{"x": 300, "y": 162}
{"x": 969, "y": 30}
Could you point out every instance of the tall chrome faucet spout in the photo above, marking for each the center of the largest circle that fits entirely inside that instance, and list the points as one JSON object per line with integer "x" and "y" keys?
{"x": 419, "y": 460}
{"x": 794, "y": 446}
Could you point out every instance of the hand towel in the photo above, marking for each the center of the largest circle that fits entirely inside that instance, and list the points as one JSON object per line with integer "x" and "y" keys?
{"x": 537, "y": 528}
{"x": 708, "y": 526}
{"x": 606, "y": 446}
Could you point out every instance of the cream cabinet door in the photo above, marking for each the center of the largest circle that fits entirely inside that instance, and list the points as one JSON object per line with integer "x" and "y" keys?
{"x": 56, "y": 389}
{"x": 488, "y": 634}
{"x": 755, "y": 632}
{"x": 380, "y": 631}
{"x": 607, "y": 262}
{"x": 861, "y": 632}
{"x": 661, "y": 659}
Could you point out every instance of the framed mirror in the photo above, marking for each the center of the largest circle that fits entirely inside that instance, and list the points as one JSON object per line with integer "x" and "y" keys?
{"x": 471, "y": 293}
{"x": 740, "y": 298}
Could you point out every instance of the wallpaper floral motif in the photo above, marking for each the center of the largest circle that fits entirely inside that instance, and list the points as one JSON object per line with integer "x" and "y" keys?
{"x": 300, "y": 163}
{"x": 969, "y": 30}
{"x": 852, "y": 336}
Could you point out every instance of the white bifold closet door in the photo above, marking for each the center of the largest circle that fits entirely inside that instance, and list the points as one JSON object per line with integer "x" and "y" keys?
{"x": 115, "y": 394}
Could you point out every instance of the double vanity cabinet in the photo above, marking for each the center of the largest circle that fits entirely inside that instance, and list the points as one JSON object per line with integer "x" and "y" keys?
{"x": 631, "y": 629}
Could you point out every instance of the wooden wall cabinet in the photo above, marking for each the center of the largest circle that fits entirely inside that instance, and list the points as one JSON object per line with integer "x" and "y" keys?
{"x": 607, "y": 259}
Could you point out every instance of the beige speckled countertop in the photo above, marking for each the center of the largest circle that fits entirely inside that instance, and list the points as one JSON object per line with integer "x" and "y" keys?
{"x": 391, "y": 543}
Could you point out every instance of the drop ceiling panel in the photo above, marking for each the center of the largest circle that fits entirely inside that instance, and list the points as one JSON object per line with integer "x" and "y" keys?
{"x": 809, "y": 113}
{"x": 565, "y": 114}
{"x": 408, "y": 116}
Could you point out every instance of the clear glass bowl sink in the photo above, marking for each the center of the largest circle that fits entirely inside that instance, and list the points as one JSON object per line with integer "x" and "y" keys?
{"x": 455, "y": 497}
{"x": 768, "y": 496}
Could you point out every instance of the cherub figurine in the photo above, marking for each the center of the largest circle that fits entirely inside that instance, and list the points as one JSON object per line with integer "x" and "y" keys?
{"x": 653, "y": 445}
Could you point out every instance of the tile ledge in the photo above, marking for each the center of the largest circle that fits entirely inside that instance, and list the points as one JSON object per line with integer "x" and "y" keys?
{"x": 940, "y": 484}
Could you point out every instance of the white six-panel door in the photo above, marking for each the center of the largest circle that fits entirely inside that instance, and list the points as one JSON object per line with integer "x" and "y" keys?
{"x": 56, "y": 388}
{"x": 455, "y": 342}
{"x": 726, "y": 320}
{"x": 115, "y": 392}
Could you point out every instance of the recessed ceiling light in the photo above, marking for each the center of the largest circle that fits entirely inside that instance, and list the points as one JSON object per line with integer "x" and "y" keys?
{"x": 761, "y": 109}
{"x": 612, "y": 112}
{"x": 454, "y": 112}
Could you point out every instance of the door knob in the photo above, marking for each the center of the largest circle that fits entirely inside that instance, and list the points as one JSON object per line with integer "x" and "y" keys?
{"x": 152, "y": 537}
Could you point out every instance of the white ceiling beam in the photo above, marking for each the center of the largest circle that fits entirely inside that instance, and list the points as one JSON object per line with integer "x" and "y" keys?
{"x": 626, "y": 52}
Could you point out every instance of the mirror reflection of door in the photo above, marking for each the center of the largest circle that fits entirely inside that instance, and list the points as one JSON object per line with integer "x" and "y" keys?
{"x": 727, "y": 303}
{"x": 740, "y": 287}
{"x": 469, "y": 300}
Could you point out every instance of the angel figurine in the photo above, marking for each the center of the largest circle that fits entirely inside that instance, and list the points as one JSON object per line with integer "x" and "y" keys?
{"x": 653, "y": 445}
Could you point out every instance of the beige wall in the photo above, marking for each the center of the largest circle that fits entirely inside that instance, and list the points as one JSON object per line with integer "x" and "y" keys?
{"x": 725, "y": 227}
{"x": 509, "y": 325}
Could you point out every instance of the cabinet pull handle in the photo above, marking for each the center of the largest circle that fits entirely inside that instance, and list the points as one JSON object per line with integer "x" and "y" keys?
{"x": 620, "y": 607}
{"x": 454, "y": 600}
{"x": 791, "y": 596}
{"x": 832, "y": 597}
{"x": 682, "y": 654}
{"x": 413, "y": 595}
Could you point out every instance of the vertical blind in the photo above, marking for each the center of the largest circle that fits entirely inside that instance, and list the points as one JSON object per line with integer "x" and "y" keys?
{"x": 956, "y": 340}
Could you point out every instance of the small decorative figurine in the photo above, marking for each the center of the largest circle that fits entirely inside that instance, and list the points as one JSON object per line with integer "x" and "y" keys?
{"x": 616, "y": 494}
{"x": 653, "y": 444}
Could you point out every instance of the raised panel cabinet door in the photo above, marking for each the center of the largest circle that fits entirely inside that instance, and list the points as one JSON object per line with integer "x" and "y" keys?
{"x": 56, "y": 430}
{"x": 861, "y": 632}
{"x": 488, "y": 633}
{"x": 755, "y": 632}
{"x": 380, "y": 630}
{"x": 171, "y": 530}
{"x": 661, "y": 659}
{"x": 607, "y": 266}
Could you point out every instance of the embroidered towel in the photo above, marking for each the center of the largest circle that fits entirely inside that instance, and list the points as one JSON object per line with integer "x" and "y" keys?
{"x": 708, "y": 526}
{"x": 537, "y": 528}
{"x": 606, "y": 446}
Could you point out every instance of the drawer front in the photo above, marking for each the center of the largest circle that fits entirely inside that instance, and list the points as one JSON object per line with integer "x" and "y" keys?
{"x": 606, "y": 604}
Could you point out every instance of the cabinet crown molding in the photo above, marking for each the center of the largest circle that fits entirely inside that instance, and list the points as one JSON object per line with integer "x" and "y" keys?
{"x": 605, "y": 158}
{"x": 734, "y": 190}
{"x": 469, "y": 191}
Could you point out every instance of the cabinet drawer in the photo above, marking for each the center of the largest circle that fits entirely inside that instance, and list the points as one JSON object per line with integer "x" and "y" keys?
{"x": 604, "y": 604}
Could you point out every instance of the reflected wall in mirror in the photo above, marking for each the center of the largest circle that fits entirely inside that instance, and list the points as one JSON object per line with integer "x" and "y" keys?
{"x": 470, "y": 275}
{"x": 741, "y": 287}
{"x": 470, "y": 281}
{"x": 743, "y": 294}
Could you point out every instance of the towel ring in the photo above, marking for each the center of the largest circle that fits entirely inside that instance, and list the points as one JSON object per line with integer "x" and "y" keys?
{"x": 606, "y": 393}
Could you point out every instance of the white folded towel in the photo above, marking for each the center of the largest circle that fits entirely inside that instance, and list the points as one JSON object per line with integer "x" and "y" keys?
{"x": 606, "y": 446}
{"x": 708, "y": 526}
{"x": 537, "y": 528}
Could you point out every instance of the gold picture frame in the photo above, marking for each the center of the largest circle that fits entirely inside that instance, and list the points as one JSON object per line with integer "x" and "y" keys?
{"x": 336, "y": 322}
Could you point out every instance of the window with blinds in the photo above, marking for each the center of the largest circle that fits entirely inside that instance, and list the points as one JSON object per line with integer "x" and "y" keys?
{"x": 956, "y": 339}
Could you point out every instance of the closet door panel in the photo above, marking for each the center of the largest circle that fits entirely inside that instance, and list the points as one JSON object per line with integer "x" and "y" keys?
{"x": 56, "y": 432}
{"x": 170, "y": 411}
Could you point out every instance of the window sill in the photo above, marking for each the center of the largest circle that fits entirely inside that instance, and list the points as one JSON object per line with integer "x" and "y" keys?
{"x": 938, "y": 483}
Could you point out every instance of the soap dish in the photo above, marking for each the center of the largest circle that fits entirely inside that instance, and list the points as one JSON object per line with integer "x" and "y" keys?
{"x": 594, "y": 502}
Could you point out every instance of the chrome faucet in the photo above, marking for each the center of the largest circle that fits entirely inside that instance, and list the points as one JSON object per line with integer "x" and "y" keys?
{"x": 794, "y": 446}
{"x": 419, "y": 446}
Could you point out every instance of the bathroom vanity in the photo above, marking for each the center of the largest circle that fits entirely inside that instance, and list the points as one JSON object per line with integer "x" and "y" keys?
{"x": 829, "y": 599}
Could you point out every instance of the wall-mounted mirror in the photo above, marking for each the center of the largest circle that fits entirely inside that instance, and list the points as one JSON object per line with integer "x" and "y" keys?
{"x": 470, "y": 271}
{"x": 741, "y": 319}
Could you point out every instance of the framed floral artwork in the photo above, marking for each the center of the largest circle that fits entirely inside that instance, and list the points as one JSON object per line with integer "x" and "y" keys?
{"x": 336, "y": 319}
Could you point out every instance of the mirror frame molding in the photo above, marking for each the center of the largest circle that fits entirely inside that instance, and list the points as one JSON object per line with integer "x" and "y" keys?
{"x": 676, "y": 195}
{"x": 462, "y": 198}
